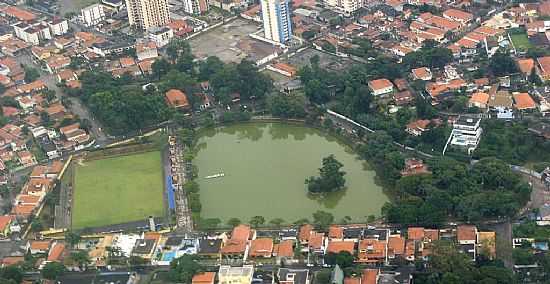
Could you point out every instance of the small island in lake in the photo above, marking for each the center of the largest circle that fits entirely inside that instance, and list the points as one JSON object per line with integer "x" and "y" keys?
{"x": 330, "y": 178}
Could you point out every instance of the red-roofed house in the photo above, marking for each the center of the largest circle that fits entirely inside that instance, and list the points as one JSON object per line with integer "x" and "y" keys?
{"x": 458, "y": 15}
{"x": 523, "y": 101}
{"x": 57, "y": 252}
{"x": 372, "y": 251}
{"x": 261, "y": 247}
{"x": 204, "y": 278}
{"x": 177, "y": 99}
{"x": 543, "y": 64}
{"x": 422, "y": 73}
{"x": 381, "y": 87}
{"x": 5, "y": 222}
{"x": 338, "y": 246}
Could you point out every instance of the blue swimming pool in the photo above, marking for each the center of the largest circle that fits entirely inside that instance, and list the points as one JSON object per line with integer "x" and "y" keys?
{"x": 168, "y": 256}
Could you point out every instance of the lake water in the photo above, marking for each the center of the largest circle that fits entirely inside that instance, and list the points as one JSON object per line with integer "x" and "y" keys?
{"x": 265, "y": 166}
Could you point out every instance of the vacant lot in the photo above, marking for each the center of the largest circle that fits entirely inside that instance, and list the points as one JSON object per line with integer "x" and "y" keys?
{"x": 66, "y": 6}
{"x": 521, "y": 41}
{"x": 231, "y": 42}
{"x": 117, "y": 190}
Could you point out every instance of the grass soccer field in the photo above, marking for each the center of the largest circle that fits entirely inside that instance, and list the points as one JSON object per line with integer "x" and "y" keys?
{"x": 117, "y": 190}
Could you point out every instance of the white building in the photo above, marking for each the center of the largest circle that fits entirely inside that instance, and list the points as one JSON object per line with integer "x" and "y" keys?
{"x": 195, "y": 7}
{"x": 161, "y": 36}
{"x": 92, "y": 15}
{"x": 146, "y": 14}
{"x": 59, "y": 27}
{"x": 32, "y": 33}
{"x": 466, "y": 133}
{"x": 235, "y": 275}
{"x": 346, "y": 7}
{"x": 277, "y": 21}
{"x": 146, "y": 50}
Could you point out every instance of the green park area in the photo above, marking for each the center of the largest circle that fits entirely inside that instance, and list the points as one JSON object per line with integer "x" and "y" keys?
{"x": 117, "y": 190}
{"x": 521, "y": 41}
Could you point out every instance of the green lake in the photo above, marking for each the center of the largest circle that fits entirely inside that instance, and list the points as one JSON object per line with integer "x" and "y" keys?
{"x": 265, "y": 166}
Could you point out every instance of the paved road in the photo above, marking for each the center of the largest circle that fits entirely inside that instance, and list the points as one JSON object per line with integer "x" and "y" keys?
{"x": 76, "y": 106}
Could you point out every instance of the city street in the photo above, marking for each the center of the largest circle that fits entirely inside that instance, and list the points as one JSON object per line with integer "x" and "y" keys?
{"x": 76, "y": 107}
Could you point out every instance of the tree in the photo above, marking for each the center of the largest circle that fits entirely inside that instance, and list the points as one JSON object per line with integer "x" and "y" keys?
{"x": 330, "y": 179}
{"x": 52, "y": 270}
{"x": 137, "y": 261}
{"x": 160, "y": 68}
{"x": 182, "y": 269}
{"x": 72, "y": 238}
{"x": 11, "y": 274}
{"x": 322, "y": 219}
{"x": 501, "y": 64}
{"x": 344, "y": 259}
{"x": 233, "y": 222}
{"x": 277, "y": 222}
{"x": 323, "y": 276}
{"x": 81, "y": 258}
{"x": 257, "y": 221}
{"x": 36, "y": 225}
{"x": 31, "y": 74}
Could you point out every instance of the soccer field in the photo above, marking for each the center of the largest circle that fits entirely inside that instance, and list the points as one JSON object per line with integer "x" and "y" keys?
{"x": 117, "y": 190}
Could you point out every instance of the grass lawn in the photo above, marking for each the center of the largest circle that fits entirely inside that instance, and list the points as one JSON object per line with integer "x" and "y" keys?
{"x": 521, "y": 41}
{"x": 118, "y": 190}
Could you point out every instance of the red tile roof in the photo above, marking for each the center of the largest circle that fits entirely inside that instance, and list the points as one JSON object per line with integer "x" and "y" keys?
{"x": 415, "y": 233}
{"x": 336, "y": 232}
{"x": 204, "y": 278}
{"x": 5, "y": 221}
{"x": 369, "y": 276}
{"x": 285, "y": 249}
{"x": 466, "y": 233}
{"x": 56, "y": 252}
{"x": 261, "y": 247}
{"x": 524, "y": 101}
{"x": 338, "y": 246}
{"x": 380, "y": 84}
{"x": 177, "y": 98}
{"x": 241, "y": 232}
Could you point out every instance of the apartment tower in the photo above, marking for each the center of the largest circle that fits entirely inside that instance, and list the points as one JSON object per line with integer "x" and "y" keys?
{"x": 145, "y": 14}
{"x": 195, "y": 7}
{"x": 276, "y": 19}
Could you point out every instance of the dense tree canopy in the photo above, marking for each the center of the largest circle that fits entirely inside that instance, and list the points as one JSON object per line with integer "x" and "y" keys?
{"x": 502, "y": 64}
{"x": 182, "y": 269}
{"x": 489, "y": 189}
{"x": 331, "y": 177}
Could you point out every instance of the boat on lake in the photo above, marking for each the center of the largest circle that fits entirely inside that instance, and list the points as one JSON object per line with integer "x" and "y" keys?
{"x": 215, "y": 176}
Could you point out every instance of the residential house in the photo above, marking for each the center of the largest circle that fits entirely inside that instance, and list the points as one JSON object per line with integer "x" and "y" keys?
{"x": 487, "y": 244}
{"x": 5, "y": 223}
{"x": 380, "y": 87}
{"x": 317, "y": 243}
{"x": 210, "y": 248}
{"x": 403, "y": 98}
{"x": 414, "y": 167}
{"x": 283, "y": 68}
{"x": 422, "y": 73}
{"x": 339, "y": 246}
{"x": 146, "y": 50}
{"x": 372, "y": 251}
{"x": 177, "y": 99}
{"x": 466, "y": 236}
{"x": 284, "y": 251}
{"x": 524, "y": 102}
{"x": 336, "y": 233}
{"x": 543, "y": 67}
{"x": 462, "y": 17}
{"x": 479, "y": 100}
{"x": 500, "y": 102}
{"x": 526, "y": 66}
{"x": 466, "y": 133}
{"x": 396, "y": 246}
{"x": 293, "y": 276}
{"x": 370, "y": 276}
{"x": 235, "y": 275}
{"x": 416, "y": 128}
{"x": 204, "y": 278}
{"x": 261, "y": 247}
{"x": 305, "y": 233}
{"x": 57, "y": 253}
{"x": 38, "y": 246}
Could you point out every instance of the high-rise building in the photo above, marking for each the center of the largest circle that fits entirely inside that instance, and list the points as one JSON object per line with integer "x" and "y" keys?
{"x": 145, "y": 14}
{"x": 346, "y": 7}
{"x": 195, "y": 6}
{"x": 276, "y": 19}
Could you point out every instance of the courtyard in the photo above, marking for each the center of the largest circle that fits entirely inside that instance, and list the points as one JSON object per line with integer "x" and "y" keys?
{"x": 117, "y": 190}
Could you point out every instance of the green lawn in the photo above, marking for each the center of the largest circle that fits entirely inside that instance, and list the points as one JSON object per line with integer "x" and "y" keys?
{"x": 118, "y": 190}
{"x": 521, "y": 41}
